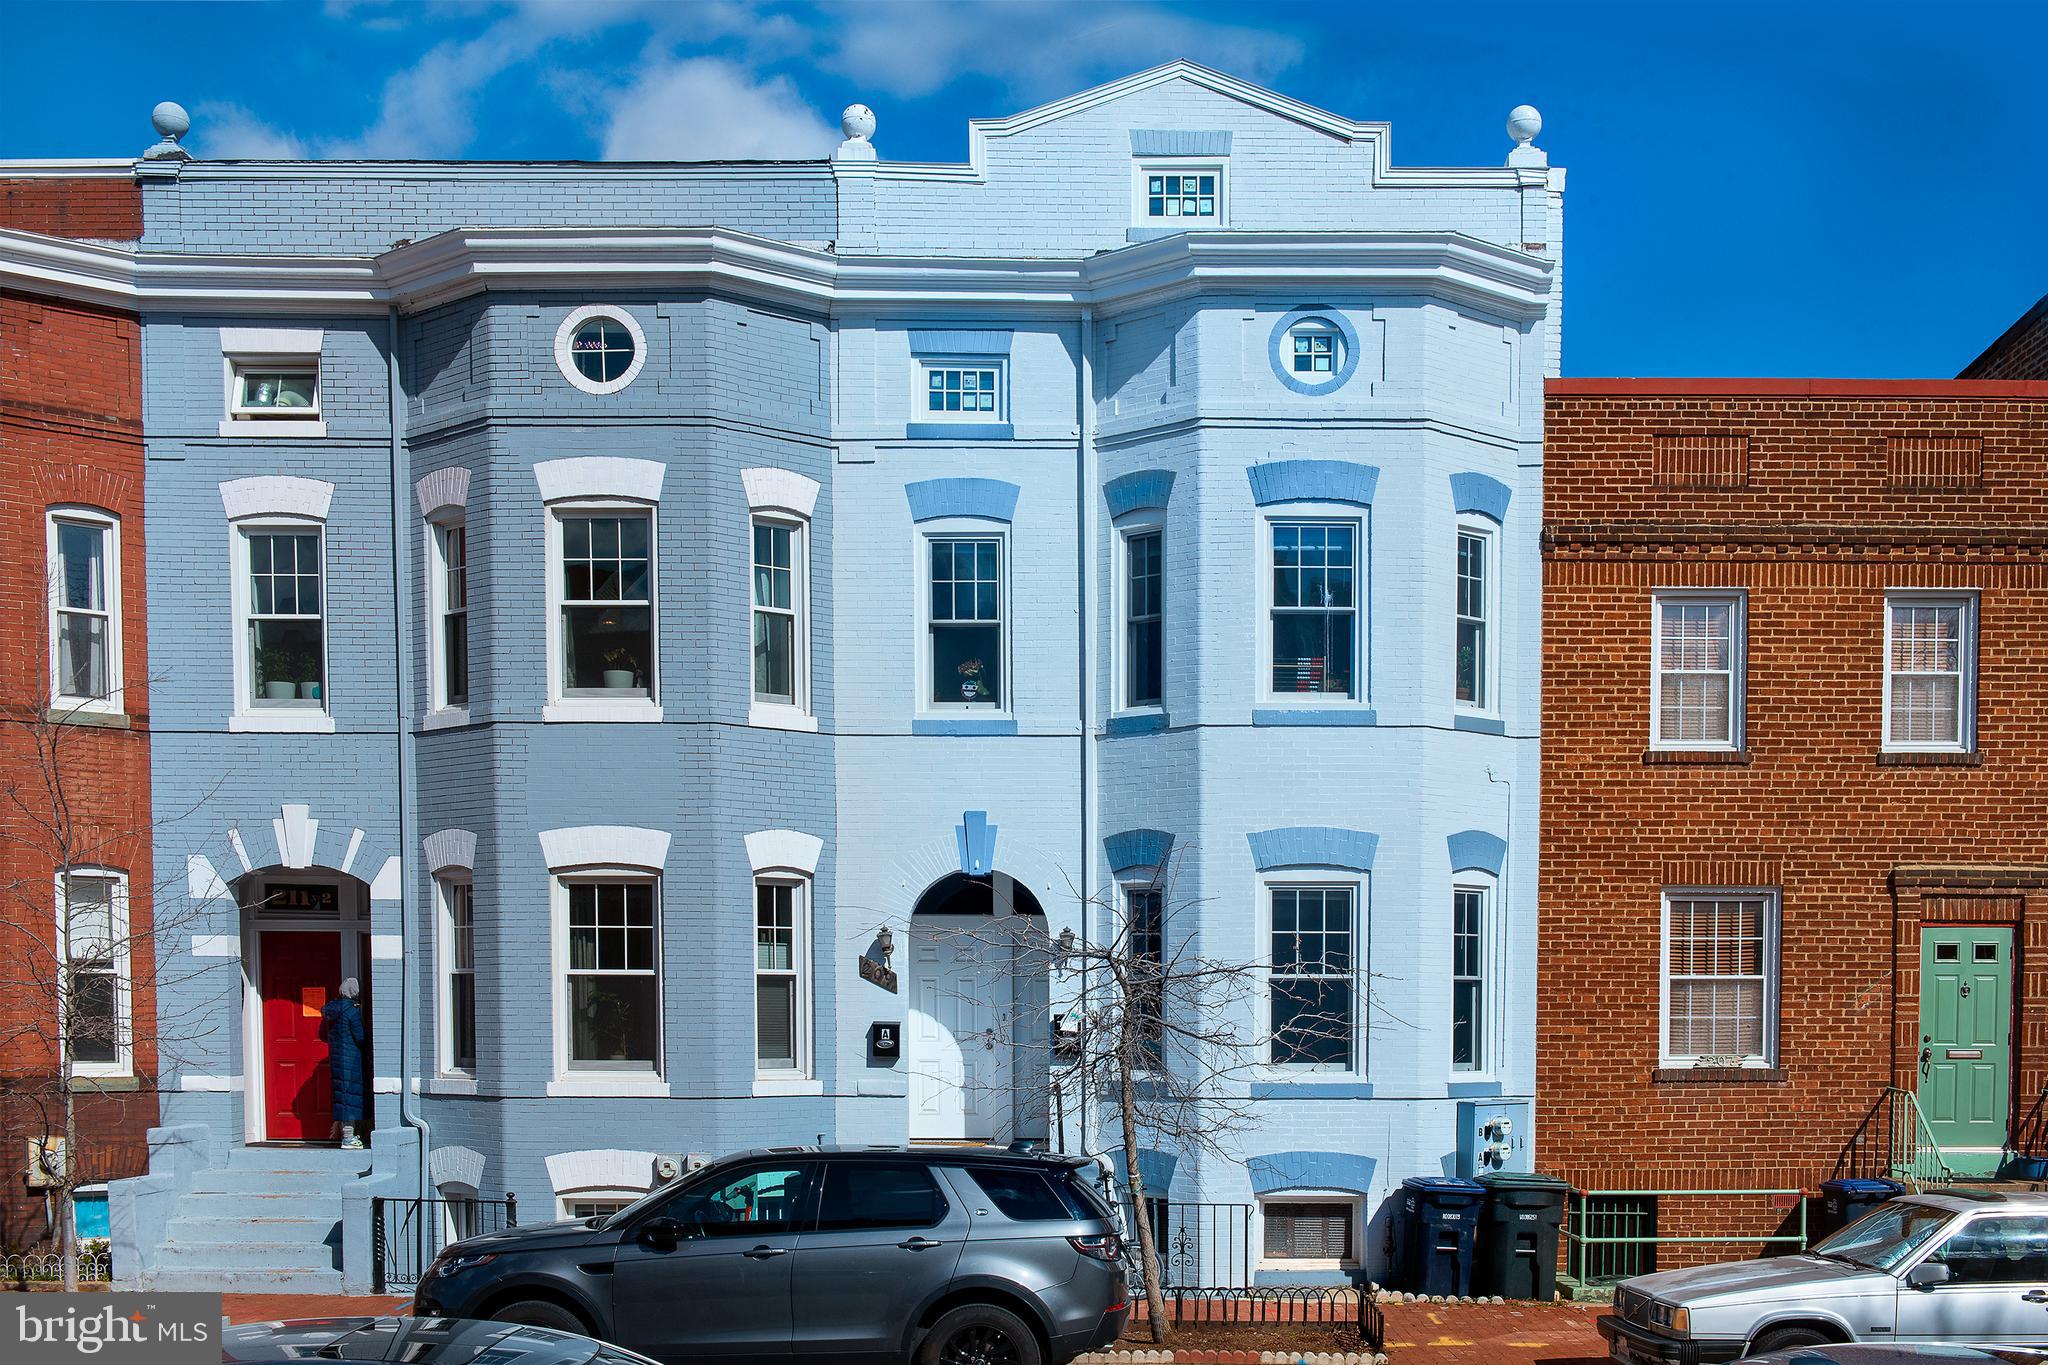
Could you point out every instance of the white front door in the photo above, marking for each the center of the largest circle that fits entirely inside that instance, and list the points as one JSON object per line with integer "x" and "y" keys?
{"x": 961, "y": 1030}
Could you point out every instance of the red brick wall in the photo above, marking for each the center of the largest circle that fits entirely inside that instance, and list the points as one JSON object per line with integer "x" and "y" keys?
{"x": 1815, "y": 533}
{"x": 106, "y": 208}
{"x": 70, "y": 432}
{"x": 2022, "y": 353}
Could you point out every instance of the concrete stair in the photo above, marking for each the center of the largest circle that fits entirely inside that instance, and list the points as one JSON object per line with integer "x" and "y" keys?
{"x": 269, "y": 1221}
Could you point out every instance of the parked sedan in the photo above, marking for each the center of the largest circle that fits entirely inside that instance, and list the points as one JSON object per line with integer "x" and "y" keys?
{"x": 415, "y": 1341}
{"x": 1959, "y": 1268}
{"x": 1900, "y": 1355}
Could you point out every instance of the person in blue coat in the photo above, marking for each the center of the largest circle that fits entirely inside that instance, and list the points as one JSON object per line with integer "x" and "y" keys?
{"x": 341, "y": 1028}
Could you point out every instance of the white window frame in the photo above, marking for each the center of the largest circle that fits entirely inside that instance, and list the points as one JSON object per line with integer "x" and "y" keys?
{"x": 1361, "y": 605}
{"x": 597, "y": 1081}
{"x": 560, "y": 706}
{"x": 273, "y": 350}
{"x": 122, "y": 969}
{"x": 1737, "y": 602}
{"x": 565, "y": 355}
{"x": 1488, "y": 703}
{"x": 1492, "y": 960}
{"x": 770, "y": 711}
{"x": 1965, "y": 601}
{"x": 564, "y": 1199}
{"x": 109, "y": 526}
{"x": 448, "y": 885}
{"x": 800, "y": 972}
{"x": 443, "y": 709}
{"x": 1352, "y": 1204}
{"x": 1143, "y": 170}
{"x": 302, "y": 715}
{"x": 920, "y": 411}
{"x": 1316, "y": 325}
{"x": 963, "y": 528}
{"x": 1772, "y": 964}
{"x": 1127, "y": 530}
{"x": 1359, "y": 884}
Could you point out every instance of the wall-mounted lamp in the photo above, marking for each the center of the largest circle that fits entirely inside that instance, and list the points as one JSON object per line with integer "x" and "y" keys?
{"x": 886, "y": 941}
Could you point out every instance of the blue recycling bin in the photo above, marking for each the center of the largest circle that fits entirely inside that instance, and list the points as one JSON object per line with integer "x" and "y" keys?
{"x": 1439, "y": 1229}
{"x": 1843, "y": 1201}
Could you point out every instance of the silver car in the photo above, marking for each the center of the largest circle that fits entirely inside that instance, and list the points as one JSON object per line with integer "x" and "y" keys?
{"x": 1960, "y": 1268}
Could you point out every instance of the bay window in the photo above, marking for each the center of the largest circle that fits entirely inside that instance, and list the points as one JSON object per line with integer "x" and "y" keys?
{"x": 965, "y": 625}
{"x": 605, "y": 585}
{"x": 1144, "y": 617}
{"x": 778, "y": 593}
{"x": 1313, "y": 609}
{"x": 781, "y": 990}
{"x": 613, "y": 975}
{"x": 1313, "y": 987}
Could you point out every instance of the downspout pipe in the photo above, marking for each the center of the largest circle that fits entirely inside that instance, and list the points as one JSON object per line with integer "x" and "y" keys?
{"x": 408, "y": 819}
{"x": 1086, "y": 483}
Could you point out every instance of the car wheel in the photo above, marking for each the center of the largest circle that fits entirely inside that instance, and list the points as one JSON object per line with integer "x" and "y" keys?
{"x": 1785, "y": 1338}
{"x": 540, "y": 1313}
{"x": 979, "y": 1334}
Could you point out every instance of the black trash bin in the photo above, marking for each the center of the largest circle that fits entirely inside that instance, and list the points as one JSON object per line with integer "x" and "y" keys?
{"x": 1439, "y": 1221}
{"x": 1517, "y": 1256}
{"x": 1842, "y": 1202}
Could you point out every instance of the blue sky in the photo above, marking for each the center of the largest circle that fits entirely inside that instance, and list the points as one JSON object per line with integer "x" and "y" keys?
{"x": 1763, "y": 189}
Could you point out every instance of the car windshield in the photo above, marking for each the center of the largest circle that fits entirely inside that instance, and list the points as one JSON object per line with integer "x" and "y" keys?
{"x": 1887, "y": 1236}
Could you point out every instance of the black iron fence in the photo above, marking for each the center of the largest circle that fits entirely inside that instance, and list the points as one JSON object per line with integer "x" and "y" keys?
{"x": 1198, "y": 1244}
{"x": 407, "y": 1234}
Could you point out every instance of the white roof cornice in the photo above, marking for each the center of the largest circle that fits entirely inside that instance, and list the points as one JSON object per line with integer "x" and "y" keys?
{"x": 467, "y": 261}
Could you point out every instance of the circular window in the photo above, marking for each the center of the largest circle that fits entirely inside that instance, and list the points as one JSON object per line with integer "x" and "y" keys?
{"x": 1314, "y": 350}
{"x": 600, "y": 350}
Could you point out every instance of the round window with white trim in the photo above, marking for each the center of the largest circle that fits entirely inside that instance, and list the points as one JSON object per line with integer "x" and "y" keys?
{"x": 1315, "y": 351}
{"x": 600, "y": 350}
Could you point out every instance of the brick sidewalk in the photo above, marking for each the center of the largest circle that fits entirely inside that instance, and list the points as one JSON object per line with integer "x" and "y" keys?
{"x": 276, "y": 1307}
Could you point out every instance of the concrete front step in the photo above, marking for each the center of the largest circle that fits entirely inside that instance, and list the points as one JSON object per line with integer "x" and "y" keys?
{"x": 247, "y": 1181}
{"x": 245, "y": 1281}
{"x": 245, "y": 1207}
{"x": 187, "y": 1229}
{"x": 299, "y": 1159}
{"x": 213, "y": 1256}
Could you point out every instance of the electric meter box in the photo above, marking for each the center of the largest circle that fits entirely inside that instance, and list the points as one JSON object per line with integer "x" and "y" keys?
{"x": 1493, "y": 1135}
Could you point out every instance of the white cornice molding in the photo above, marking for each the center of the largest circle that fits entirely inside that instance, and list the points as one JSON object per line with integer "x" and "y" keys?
{"x": 466, "y": 261}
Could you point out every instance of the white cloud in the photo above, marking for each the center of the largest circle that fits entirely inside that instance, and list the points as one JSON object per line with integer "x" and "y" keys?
{"x": 231, "y": 132}
{"x": 707, "y": 109}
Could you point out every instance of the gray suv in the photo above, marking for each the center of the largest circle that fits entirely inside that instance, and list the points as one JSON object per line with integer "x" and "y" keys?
{"x": 936, "y": 1256}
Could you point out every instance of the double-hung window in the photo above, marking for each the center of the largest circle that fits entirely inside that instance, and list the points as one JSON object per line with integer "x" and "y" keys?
{"x": 1930, "y": 668}
{"x": 607, "y": 604}
{"x": 451, "y": 608}
{"x": 1144, "y": 617}
{"x": 1314, "y": 986}
{"x": 85, "y": 617}
{"x": 1468, "y": 978}
{"x": 613, "y": 975}
{"x": 778, "y": 590}
{"x": 1145, "y": 954}
{"x": 458, "y": 974}
{"x": 95, "y": 998}
{"x": 285, "y": 630}
{"x": 781, "y": 959}
{"x": 1720, "y": 978}
{"x": 965, "y": 647}
{"x": 1475, "y": 592}
{"x": 1696, "y": 695}
{"x": 1313, "y": 610}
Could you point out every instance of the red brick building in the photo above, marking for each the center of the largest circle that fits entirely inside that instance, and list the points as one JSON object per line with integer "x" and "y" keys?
{"x": 74, "y": 664}
{"x": 2020, "y": 353}
{"x": 1795, "y": 788}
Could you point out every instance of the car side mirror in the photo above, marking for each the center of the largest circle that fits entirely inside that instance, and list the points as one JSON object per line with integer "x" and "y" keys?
{"x": 661, "y": 1233}
{"x": 1928, "y": 1274}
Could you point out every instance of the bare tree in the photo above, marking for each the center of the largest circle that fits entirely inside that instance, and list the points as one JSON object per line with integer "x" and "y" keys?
{"x": 83, "y": 983}
{"x": 1162, "y": 1041}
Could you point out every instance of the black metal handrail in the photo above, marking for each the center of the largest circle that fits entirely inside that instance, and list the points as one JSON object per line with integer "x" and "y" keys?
{"x": 407, "y": 1234}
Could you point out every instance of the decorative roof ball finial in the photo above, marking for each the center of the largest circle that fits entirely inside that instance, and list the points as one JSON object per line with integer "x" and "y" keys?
{"x": 857, "y": 121}
{"x": 171, "y": 123}
{"x": 1524, "y": 123}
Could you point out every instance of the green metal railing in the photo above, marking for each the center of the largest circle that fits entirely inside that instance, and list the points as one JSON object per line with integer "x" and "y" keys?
{"x": 1912, "y": 1153}
{"x": 1611, "y": 1235}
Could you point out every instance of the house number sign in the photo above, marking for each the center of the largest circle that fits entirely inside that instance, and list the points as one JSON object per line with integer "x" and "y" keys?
{"x": 881, "y": 974}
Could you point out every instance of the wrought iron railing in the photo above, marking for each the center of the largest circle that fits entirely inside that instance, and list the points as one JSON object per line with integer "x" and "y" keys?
{"x": 1197, "y": 1243}
{"x": 47, "y": 1267}
{"x": 1912, "y": 1153}
{"x": 407, "y": 1234}
{"x": 1612, "y": 1235}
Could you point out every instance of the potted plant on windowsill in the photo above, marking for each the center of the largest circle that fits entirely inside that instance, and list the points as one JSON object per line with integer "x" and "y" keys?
{"x": 971, "y": 686}
{"x": 621, "y": 672}
{"x": 279, "y": 667}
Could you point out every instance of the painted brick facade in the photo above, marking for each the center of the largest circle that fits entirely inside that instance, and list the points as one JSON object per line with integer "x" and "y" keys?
{"x": 1862, "y": 847}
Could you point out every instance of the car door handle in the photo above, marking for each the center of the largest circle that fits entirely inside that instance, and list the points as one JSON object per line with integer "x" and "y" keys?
{"x": 762, "y": 1253}
{"x": 919, "y": 1244}
{"x": 2035, "y": 1296}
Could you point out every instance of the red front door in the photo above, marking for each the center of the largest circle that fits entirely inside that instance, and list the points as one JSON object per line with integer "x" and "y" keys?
{"x": 301, "y": 972}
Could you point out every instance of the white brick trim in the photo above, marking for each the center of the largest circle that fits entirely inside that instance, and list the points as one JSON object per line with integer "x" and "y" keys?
{"x": 780, "y": 490}
{"x": 604, "y": 846}
{"x": 601, "y": 1168}
{"x": 600, "y": 476}
{"x": 276, "y": 495}
{"x": 786, "y": 850}
{"x": 442, "y": 492}
{"x": 450, "y": 848}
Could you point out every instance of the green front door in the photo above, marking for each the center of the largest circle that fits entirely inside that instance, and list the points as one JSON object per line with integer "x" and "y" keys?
{"x": 1966, "y": 1042}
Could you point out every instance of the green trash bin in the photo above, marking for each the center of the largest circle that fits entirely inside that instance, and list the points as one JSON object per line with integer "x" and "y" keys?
{"x": 1518, "y": 1235}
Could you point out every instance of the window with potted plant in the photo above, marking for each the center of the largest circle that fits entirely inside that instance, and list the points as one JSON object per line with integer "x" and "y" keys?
{"x": 966, "y": 622}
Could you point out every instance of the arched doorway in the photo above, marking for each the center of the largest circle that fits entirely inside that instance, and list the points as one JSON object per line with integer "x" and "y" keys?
{"x": 977, "y": 1011}
{"x": 304, "y": 931}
